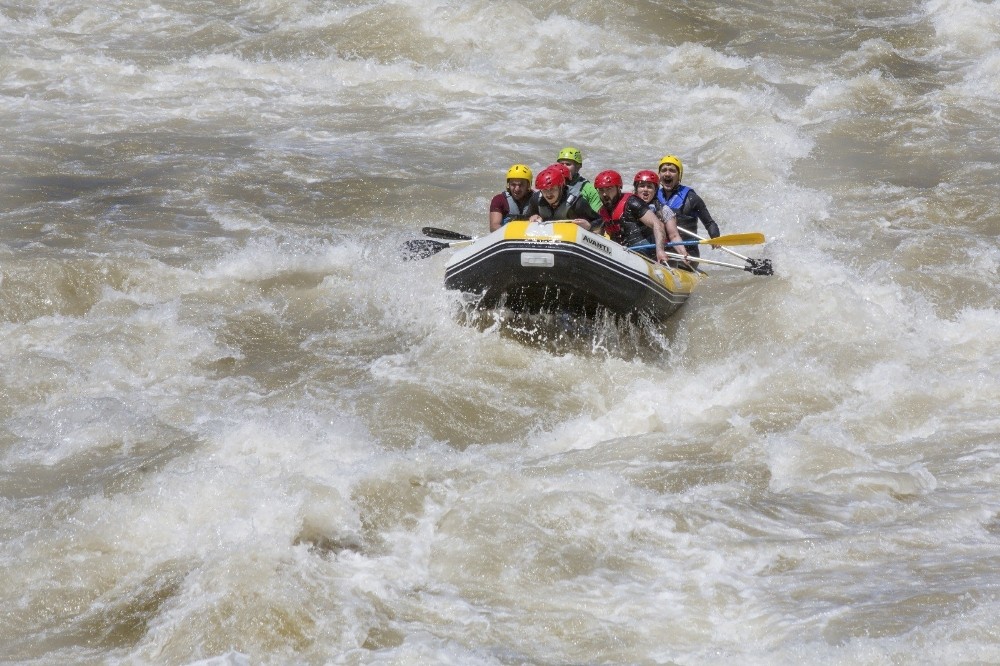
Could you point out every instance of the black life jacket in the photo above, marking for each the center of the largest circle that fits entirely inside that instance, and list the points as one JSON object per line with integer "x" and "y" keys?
{"x": 560, "y": 212}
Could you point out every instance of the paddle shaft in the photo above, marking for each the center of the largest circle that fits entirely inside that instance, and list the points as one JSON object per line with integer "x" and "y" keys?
{"x": 706, "y": 261}
{"x": 732, "y": 252}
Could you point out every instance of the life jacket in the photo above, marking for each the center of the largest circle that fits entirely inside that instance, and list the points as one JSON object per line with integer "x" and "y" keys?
{"x": 676, "y": 200}
{"x": 621, "y": 226}
{"x": 515, "y": 212}
{"x": 575, "y": 189}
{"x": 560, "y": 212}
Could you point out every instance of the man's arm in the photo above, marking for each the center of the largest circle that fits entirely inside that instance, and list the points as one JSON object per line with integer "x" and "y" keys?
{"x": 583, "y": 211}
{"x": 699, "y": 211}
{"x": 662, "y": 231}
{"x": 498, "y": 210}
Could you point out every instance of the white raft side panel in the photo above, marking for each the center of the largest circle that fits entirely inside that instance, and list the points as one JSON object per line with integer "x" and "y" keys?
{"x": 670, "y": 278}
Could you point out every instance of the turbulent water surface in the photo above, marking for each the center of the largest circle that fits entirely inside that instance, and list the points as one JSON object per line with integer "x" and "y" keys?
{"x": 235, "y": 428}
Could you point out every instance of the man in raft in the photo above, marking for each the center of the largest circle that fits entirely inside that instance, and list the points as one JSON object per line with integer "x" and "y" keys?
{"x": 682, "y": 200}
{"x": 628, "y": 220}
{"x": 552, "y": 200}
{"x": 512, "y": 203}
{"x": 578, "y": 186}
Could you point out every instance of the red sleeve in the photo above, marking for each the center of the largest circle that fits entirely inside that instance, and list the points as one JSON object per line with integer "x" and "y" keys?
{"x": 499, "y": 205}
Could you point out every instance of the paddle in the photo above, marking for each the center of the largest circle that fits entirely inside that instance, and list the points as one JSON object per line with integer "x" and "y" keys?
{"x": 434, "y": 232}
{"x": 731, "y": 239}
{"x": 761, "y": 269}
{"x": 423, "y": 248}
{"x": 761, "y": 264}
{"x": 753, "y": 238}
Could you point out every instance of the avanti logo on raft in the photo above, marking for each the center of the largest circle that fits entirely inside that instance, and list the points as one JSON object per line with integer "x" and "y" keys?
{"x": 600, "y": 246}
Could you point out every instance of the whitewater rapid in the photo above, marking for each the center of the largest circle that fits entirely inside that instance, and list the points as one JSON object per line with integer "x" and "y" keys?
{"x": 236, "y": 428}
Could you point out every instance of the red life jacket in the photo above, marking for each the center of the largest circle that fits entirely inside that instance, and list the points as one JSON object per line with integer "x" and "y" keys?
{"x": 612, "y": 219}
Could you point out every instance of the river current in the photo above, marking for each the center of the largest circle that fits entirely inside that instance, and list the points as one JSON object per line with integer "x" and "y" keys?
{"x": 236, "y": 429}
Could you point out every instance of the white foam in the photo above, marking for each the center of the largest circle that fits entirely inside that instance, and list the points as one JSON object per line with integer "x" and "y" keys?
{"x": 269, "y": 258}
{"x": 969, "y": 27}
{"x": 982, "y": 80}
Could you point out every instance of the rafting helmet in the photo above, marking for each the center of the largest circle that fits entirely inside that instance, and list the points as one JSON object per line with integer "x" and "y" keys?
{"x": 608, "y": 179}
{"x": 549, "y": 177}
{"x": 519, "y": 171}
{"x": 676, "y": 161}
{"x": 571, "y": 154}
{"x": 646, "y": 176}
{"x": 566, "y": 171}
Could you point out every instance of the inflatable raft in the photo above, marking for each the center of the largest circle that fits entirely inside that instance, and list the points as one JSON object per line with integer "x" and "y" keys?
{"x": 532, "y": 267}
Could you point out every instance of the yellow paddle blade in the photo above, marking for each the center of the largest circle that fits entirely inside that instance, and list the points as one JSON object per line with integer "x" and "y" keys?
{"x": 751, "y": 238}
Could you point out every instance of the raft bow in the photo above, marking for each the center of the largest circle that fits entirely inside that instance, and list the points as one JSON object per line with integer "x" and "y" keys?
{"x": 529, "y": 266}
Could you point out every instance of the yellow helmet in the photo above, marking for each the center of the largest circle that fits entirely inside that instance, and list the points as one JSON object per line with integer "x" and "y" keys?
{"x": 571, "y": 154}
{"x": 676, "y": 161}
{"x": 519, "y": 171}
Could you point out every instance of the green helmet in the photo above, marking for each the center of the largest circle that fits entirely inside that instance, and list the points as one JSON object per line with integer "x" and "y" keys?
{"x": 571, "y": 154}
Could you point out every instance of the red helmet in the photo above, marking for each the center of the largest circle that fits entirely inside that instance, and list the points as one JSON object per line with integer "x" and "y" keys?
{"x": 566, "y": 171}
{"x": 646, "y": 176}
{"x": 549, "y": 177}
{"x": 608, "y": 179}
